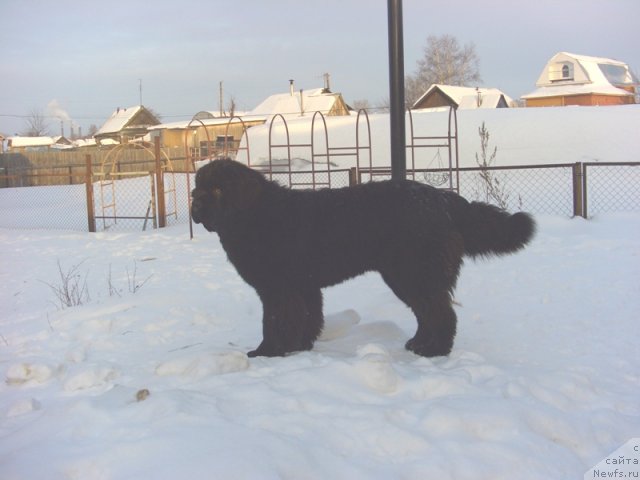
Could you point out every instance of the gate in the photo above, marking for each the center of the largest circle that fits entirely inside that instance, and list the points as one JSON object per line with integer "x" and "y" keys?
{"x": 135, "y": 184}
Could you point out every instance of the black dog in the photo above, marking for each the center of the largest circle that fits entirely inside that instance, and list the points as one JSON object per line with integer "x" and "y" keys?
{"x": 289, "y": 244}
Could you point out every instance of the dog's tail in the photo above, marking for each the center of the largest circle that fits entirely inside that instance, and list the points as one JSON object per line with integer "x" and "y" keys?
{"x": 489, "y": 230}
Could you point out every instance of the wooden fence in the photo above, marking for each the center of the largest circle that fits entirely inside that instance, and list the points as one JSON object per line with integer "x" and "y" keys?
{"x": 32, "y": 169}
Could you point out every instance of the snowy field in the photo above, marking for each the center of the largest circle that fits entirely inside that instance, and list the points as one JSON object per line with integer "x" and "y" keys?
{"x": 148, "y": 378}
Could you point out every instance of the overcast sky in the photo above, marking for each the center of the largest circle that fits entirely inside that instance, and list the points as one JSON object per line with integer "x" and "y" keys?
{"x": 85, "y": 58}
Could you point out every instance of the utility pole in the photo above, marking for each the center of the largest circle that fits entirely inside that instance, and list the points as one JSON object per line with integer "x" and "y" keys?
{"x": 221, "y": 100}
{"x": 396, "y": 90}
{"x": 140, "y": 89}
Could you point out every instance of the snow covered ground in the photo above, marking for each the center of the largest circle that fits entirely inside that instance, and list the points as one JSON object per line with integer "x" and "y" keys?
{"x": 148, "y": 378}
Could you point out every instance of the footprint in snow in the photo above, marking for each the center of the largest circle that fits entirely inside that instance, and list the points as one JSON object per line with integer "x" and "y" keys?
{"x": 374, "y": 368}
{"x": 204, "y": 364}
{"x": 28, "y": 374}
{"x": 93, "y": 378}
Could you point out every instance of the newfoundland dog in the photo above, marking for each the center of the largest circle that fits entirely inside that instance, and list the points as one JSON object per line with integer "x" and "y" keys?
{"x": 289, "y": 244}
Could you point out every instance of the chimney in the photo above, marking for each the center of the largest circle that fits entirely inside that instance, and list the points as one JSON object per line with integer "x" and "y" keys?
{"x": 327, "y": 82}
{"x": 291, "y": 87}
{"x": 61, "y": 128}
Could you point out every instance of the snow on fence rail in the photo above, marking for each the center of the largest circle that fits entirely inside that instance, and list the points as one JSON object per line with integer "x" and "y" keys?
{"x": 582, "y": 189}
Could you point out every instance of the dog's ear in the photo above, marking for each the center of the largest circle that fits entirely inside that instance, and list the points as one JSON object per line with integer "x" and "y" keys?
{"x": 238, "y": 187}
{"x": 243, "y": 194}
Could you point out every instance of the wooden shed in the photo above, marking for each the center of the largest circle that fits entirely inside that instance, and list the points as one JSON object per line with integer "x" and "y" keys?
{"x": 462, "y": 97}
{"x": 126, "y": 124}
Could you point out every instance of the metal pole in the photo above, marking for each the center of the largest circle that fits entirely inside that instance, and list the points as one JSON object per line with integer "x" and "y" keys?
{"x": 88, "y": 181}
{"x": 162, "y": 211}
{"x": 396, "y": 90}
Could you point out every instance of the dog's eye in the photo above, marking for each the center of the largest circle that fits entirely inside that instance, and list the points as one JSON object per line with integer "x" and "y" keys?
{"x": 217, "y": 193}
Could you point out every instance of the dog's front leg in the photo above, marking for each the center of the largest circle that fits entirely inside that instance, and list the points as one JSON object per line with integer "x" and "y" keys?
{"x": 284, "y": 319}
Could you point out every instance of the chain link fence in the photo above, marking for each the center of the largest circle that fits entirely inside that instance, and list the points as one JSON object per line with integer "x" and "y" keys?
{"x": 314, "y": 180}
{"x": 129, "y": 201}
{"x": 611, "y": 187}
{"x": 538, "y": 190}
{"x": 546, "y": 189}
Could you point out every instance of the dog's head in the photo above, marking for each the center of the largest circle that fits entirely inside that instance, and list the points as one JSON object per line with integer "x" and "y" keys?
{"x": 224, "y": 188}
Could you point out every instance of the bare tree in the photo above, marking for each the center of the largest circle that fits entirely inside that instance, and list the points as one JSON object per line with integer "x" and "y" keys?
{"x": 154, "y": 113}
{"x": 445, "y": 62}
{"x": 489, "y": 187}
{"x": 37, "y": 125}
{"x": 362, "y": 104}
{"x": 232, "y": 106}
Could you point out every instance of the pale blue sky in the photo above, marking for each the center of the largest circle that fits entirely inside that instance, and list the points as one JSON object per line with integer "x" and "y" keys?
{"x": 89, "y": 55}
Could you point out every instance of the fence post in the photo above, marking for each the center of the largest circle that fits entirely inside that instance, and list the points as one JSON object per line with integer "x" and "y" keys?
{"x": 162, "y": 213}
{"x": 88, "y": 180}
{"x": 353, "y": 176}
{"x": 584, "y": 190}
{"x": 578, "y": 194}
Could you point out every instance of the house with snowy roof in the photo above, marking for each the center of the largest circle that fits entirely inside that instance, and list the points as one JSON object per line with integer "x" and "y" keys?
{"x": 126, "y": 124}
{"x": 301, "y": 103}
{"x": 570, "y": 79}
{"x": 462, "y": 97}
{"x": 18, "y": 144}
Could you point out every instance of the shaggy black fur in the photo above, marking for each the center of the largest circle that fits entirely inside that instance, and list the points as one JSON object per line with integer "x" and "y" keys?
{"x": 289, "y": 244}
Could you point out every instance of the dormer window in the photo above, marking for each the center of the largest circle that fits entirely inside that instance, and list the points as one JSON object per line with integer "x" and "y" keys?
{"x": 561, "y": 72}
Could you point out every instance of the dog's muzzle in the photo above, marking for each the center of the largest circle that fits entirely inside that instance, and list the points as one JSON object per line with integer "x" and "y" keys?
{"x": 196, "y": 211}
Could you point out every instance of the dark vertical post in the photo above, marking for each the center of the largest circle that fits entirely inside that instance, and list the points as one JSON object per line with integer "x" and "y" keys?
{"x": 162, "y": 211}
{"x": 88, "y": 180}
{"x": 578, "y": 194}
{"x": 353, "y": 176}
{"x": 396, "y": 90}
{"x": 585, "y": 203}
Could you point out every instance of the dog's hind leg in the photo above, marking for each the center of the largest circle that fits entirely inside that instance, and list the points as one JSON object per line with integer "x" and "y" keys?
{"x": 314, "y": 320}
{"x": 436, "y": 326}
{"x": 434, "y": 313}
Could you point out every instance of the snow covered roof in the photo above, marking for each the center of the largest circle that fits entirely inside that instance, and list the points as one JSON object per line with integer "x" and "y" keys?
{"x": 20, "y": 142}
{"x": 123, "y": 118}
{"x": 468, "y": 97}
{"x": 566, "y": 90}
{"x": 118, "y": 119}
{"x": 297, "y": 103}
{"x": 85, "y": 142}
{"x": 33, "y": 142}
{"x": 571, "y": 74}
{"x": 208, "y": 122}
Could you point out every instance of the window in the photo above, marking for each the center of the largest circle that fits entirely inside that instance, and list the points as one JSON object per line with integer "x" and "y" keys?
{"x": 618, "y": 74}
{"x": 561, "y": 72}
{"x": 225, "y": 144}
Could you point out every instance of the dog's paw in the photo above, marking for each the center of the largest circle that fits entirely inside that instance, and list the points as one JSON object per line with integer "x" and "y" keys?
{"x": 263, "y": 351}
{"x": 430, "y": 348}
{"x": 271, "y": 351}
